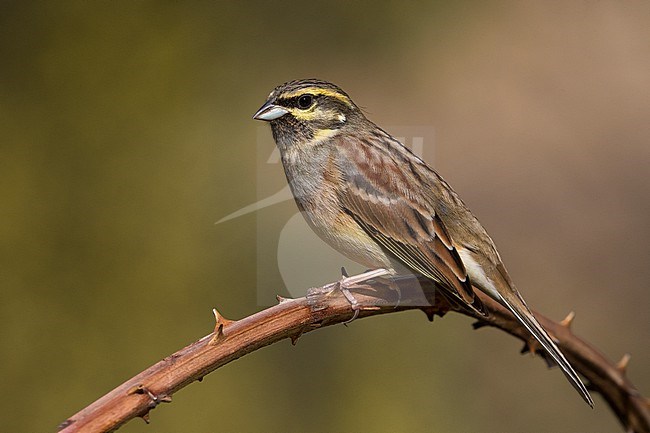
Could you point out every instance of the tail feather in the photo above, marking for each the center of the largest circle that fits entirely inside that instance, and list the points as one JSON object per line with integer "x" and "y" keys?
{"x": 527, "y": 319}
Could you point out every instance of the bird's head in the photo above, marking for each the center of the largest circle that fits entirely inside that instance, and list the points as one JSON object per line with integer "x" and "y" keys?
{"x": 307, "y": 110}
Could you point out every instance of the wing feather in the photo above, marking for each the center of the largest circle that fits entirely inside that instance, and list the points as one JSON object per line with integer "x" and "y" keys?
{"x": 400, "y": 217}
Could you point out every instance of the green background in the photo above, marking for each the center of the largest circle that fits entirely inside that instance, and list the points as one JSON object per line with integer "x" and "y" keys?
{"x": 126, "y": 132}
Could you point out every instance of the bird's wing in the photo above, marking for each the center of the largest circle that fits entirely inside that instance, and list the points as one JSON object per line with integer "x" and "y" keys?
{"x": 387, "y": 203}
{"x": 388, "y": 196}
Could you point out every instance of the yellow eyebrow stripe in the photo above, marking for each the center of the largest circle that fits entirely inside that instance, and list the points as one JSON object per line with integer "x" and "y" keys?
{"x": 320, "y": 92}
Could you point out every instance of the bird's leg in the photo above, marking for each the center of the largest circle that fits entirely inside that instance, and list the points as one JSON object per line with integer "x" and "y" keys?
{"x": 346, "y": 283}
{"x": 390, "y": 282}
{"x": 348, "y": 295}
{"x": 354, "y": 304}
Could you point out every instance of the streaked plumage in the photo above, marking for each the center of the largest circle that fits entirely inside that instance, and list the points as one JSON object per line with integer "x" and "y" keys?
{"x": 369, "y": 197}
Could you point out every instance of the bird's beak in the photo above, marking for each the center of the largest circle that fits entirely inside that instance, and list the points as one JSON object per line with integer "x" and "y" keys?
{"x": 270, "y": 111}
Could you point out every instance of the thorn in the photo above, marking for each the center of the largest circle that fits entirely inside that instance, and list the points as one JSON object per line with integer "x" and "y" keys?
{"x": 480, "y": 324}
{"x": 622, "y": 364}
{"x": 200, "y": 379}
{"x": 294, "y": 338}
{"x": 221, "y": 322}
{"x": 281, "y": 299}
{"x": 155, "y": 399}
{"x": 530, "y": 346}
{"x": 568, "y": 320}
{"x": 136, "y": 389}
{"x": 218, "y": 334}
{"x": 65, "y": 424}
{"x": 429, "y": 313}
{"x": 218, "y": 317}
{"x": 550, "y": 362}
{"x": 344, "y": 272}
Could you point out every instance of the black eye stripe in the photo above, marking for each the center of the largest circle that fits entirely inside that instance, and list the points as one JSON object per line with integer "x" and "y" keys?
{"x": 324, "y": 101}
{"x": 294, "y": 101}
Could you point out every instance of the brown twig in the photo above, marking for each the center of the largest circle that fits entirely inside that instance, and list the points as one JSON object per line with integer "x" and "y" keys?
{"x": 293, "y": 317}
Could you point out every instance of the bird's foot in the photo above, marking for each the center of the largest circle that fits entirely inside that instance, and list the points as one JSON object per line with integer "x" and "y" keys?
{"x": 346, "y": 283}
{"x": 356, "y": 282}
{"x": 389, "y": 282}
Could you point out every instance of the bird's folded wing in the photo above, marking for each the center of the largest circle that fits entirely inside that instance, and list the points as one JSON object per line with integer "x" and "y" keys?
{"x": 405, "y": 226}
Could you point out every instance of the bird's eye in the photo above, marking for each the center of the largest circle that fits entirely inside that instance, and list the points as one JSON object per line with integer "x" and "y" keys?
{"x": 305, "y": 101}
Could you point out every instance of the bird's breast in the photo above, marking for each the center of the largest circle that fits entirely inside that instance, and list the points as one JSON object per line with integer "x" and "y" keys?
{"x": 313, "y": 182}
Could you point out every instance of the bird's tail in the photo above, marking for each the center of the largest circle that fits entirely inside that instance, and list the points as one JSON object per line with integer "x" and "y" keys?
{"x": 518, "y": 307}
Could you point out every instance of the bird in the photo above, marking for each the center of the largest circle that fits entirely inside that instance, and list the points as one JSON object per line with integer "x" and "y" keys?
{"x": 369, "y": 197}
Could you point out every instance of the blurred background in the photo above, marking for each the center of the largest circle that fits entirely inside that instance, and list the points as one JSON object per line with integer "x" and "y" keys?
{"x": 126, "y": 133}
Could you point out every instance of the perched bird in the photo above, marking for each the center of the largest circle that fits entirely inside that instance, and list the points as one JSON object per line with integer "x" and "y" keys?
{"x": 376, "y": 202}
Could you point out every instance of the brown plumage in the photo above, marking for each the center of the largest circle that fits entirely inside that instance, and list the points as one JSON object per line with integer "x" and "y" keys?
{"x": 373, "y": 200}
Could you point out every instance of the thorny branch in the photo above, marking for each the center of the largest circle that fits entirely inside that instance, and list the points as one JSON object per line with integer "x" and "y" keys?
{"x": 294, "y": 317}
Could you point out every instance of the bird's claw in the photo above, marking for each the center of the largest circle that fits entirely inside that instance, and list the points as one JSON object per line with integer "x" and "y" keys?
{"x": 347, "y": 282}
